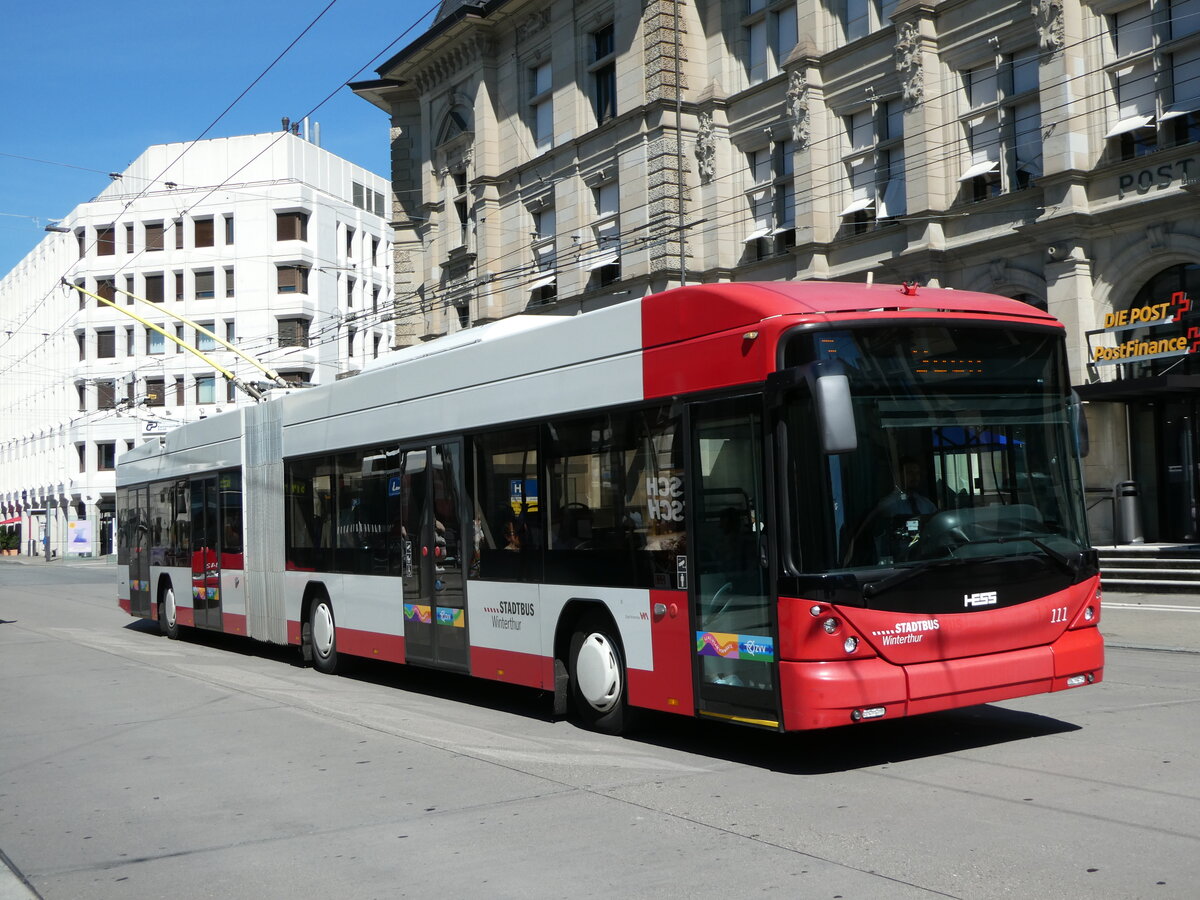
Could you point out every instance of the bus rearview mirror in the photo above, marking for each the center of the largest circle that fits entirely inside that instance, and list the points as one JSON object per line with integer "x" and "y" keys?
{"x": 835, "y": 410}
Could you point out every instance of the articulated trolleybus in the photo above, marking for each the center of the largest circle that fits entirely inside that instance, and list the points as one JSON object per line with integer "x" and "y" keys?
{"x": 788, "y": 505}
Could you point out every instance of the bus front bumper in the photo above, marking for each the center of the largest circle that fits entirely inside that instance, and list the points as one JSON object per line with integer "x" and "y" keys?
{"x": 831, "y": 693}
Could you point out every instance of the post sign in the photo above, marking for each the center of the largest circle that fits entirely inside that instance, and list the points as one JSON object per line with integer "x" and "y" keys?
{"x": 1177, "y": 341}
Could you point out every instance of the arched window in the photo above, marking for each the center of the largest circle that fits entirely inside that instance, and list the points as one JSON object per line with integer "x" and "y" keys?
{"x": 452, "y": 160}
{"x": 1159, "y": 289}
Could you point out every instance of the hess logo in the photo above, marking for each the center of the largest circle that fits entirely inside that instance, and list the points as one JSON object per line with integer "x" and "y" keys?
{"x": 981, "y": 598}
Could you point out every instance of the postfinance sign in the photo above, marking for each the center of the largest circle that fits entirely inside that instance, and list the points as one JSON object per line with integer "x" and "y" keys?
{"x": 1149, "y": 316}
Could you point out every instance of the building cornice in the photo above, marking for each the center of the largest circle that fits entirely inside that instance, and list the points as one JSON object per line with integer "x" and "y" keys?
{"x": 430, "y": 38}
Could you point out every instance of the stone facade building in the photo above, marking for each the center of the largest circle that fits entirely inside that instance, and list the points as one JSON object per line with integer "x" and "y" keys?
{"x": 266, "y": 241}
{"x": 552, "y": 156}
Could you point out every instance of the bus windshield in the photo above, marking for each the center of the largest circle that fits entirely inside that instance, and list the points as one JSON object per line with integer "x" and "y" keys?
{"x": 966, "y": 450}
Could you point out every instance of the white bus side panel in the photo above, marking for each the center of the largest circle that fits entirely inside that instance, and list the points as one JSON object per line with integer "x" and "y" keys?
{"x": 578, "y": 344}
{"x": 294, "y": 584}
{"x": 611, "y": 381}
{"x": 197, "y": 448}
{"x": 233, "y": 595}
{"x": 510, "y": 616}
{"x": 370, "y": 603}
{"x": 522, "y": 618}
{"x": 181, "y": 584}
{"x": 629, "y": 607}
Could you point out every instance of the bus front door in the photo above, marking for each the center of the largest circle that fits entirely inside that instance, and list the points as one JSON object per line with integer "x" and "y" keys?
{"x": 206, "y": 566}
{"x": 138, "y": 523}
{"x": 431, "y": 527}
{"x": 735, "y": 657}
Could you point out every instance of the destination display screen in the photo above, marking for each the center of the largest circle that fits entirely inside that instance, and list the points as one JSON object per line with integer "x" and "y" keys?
{"x": 954, "y": 357}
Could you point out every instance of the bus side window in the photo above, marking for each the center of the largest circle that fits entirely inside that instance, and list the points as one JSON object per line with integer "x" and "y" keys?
{"x": 378, "y": 545}
{"x": 231, "y": 512}
{"x": 310, "y": 514}
{"x": 507, "y": 526}
{"x": 616, "y": 511}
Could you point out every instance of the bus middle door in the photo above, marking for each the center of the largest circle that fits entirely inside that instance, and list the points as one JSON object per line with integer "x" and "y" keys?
{"x": 206, "y": 566}
{"x": 431, "y": 521}
{"x": 138, "y": 524}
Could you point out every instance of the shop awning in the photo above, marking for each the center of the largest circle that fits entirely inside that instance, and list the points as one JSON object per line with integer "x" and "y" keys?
{"x": 1133, "y": 123}
{"x": 1177, "y": 112}
{"x": 604, "y": 259}
{"x": 980, "y": 168}
{"x": 13, "y": 521}
{"x": 857, "y": 206}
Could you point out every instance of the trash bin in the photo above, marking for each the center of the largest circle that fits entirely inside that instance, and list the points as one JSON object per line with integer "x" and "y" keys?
{"x": 1127, "y": 513}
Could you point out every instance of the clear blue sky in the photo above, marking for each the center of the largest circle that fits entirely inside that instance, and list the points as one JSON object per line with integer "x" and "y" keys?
{"x": 86, "y": 87}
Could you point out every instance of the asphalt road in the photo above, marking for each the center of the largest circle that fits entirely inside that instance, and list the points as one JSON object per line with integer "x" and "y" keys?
{"x": 136, "y": 767}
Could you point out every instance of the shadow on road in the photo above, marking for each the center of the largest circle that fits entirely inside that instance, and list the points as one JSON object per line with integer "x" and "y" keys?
{"x": 853, "y": 746}
{"x": 805, "y": 753}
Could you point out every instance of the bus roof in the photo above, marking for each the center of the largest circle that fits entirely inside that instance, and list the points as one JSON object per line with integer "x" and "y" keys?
{"x": 683, "y": 340}
{"x": 694, "y": 310}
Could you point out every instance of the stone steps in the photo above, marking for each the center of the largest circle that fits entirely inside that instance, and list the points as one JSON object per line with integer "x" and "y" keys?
{"x": 1173, "y": 569}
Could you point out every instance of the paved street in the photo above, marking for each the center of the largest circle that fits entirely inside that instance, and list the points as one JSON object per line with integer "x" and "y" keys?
{"x": 132, "y": 766}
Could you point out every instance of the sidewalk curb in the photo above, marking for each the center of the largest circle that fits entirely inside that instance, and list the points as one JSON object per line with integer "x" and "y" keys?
{"x": 96, "y": 561}
{"x": 14, "y": 885}
{"x": 1114, "y": 646}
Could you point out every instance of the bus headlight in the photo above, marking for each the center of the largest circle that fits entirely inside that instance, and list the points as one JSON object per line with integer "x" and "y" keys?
{"x": 830, "y": 625}
{"x": 850, "y": 644}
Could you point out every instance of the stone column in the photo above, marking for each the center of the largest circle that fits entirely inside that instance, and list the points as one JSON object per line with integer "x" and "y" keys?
{"x": 407, "y": 220}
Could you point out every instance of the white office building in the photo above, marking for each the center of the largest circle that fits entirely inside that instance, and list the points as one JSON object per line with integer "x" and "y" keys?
{"x": 266, "y": 241}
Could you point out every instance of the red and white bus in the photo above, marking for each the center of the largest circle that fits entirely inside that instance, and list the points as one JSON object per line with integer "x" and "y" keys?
{"x": 789, "y": 505}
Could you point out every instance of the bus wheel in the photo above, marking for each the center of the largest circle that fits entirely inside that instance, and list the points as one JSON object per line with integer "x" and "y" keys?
{"x": 168, "y": 616}
{"x": 322, "y": 636}
{"x": 598, "y": 676}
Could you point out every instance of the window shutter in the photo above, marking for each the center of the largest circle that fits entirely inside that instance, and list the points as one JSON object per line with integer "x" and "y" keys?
{"x": 203, "y": 230}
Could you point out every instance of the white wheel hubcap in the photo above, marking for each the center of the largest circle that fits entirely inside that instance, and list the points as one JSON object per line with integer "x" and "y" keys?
{"x": 598, "y": 671}
{"x": 322, "y": 630}
{"x": 169, "y": 607}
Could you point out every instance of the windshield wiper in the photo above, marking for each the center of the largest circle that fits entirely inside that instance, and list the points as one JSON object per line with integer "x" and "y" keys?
{"x": 900, "y": 576}
{"x": 1069, "y": 564}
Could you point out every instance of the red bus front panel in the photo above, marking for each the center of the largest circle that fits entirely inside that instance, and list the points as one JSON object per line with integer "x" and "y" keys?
{"x": 905, "y": 664}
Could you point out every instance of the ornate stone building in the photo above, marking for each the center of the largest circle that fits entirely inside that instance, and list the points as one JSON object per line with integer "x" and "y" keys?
{"x": 552, "y": 156}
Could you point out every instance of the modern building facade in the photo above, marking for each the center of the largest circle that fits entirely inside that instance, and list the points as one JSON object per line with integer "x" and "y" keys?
{"x": 267, "y": 241}
{"x": 554, "y": 156}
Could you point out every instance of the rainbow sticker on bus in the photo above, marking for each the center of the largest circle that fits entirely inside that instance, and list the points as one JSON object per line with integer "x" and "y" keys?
{"x": 449, "y": 616}
{"x": 415, "y": 612}
{"x": 715, "y": 643}
{"x": 735, "y": 646}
